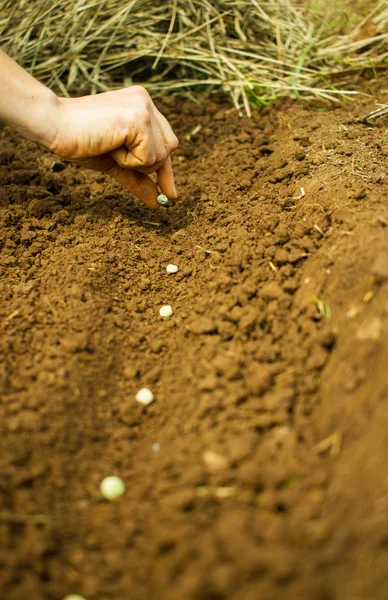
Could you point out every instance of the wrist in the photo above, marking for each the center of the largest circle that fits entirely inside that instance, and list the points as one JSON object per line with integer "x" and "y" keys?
{"x": 39, "y": 120}
{"x": 27, "y": 105}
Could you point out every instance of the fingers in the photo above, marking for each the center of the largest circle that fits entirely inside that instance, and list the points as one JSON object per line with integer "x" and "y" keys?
{"x": 166, "y": 179}
{"x": 125, "y": 158}
{"x": 138, "y": 183}
{"x": 150, "y": 150}
{"x": 143, "y": 156}
{"x": 146, "y": 145}
{"x": 164, "y": 170}
{"x": 165, "y": 173}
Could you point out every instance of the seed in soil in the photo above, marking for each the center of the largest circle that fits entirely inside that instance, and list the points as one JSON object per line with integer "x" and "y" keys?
{"x": 166, "y": 311}
{"x": 111, "y": 488}
{"x": 145, "y": 396}
{"x": 172, "y": 269}
{"x": 163, "y": 200}
{"x": 74, "y": 597}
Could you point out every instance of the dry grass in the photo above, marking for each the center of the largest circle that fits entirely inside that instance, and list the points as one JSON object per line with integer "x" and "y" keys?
{"x": 253, "y": 49}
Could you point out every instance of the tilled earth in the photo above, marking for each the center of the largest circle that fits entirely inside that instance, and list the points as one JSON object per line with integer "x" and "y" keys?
{"x": 260, "y": 471}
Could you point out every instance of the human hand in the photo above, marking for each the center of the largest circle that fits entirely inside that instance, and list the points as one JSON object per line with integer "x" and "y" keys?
{"x": 122, "y": 134}
{"x": 119, "y": 133}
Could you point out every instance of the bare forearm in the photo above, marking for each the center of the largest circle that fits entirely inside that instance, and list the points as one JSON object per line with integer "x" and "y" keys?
{"x": 25, "y": 103}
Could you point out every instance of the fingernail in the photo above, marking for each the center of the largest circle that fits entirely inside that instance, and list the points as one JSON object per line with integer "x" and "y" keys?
{"x": 174, "y": 190}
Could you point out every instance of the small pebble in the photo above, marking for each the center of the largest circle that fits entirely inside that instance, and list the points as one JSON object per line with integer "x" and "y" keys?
{"x": 172, "y": 269}
{"x": 111, "y": 488}
{"x": 166, "y": 311}
{"x": 163, "y": 200}
{"x": 145, "y": 396}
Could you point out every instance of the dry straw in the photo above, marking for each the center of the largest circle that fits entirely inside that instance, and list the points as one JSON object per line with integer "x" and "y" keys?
{"x": 253, "y": 49}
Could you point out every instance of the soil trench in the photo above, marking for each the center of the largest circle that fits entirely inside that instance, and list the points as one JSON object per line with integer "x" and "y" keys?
{"x": 260, "y": 469}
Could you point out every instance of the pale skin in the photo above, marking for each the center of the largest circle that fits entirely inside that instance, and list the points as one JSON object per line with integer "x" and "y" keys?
{"x": 120, "y": 133}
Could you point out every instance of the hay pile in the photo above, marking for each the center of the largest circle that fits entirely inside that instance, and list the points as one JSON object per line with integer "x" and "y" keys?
{"x": 254, "y": 49}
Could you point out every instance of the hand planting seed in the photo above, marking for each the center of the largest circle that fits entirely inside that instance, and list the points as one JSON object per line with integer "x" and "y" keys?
{"x": 111, "y": 488}
{"x": 163, "y": 200}
{"x": 166, "y": 311}
{"x": 172, "y": 269}
{"x": 145, "y": 396}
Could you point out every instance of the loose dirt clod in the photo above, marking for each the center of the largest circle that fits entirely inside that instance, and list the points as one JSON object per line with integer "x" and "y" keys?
{"x": 215, "y": 461}
{"x": 203, "y": 325}
{"x": 380, "y": 266}
{"x": 370, "y": 329}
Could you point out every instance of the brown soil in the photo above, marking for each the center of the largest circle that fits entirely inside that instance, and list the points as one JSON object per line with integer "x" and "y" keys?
{"x": 271, "y": 480}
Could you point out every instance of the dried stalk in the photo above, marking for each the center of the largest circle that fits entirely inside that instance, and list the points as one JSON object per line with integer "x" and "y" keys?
{"x": 253, "y": 49}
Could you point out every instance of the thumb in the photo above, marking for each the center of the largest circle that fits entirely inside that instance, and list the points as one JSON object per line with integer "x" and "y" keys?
{"x": 138, "y": 183}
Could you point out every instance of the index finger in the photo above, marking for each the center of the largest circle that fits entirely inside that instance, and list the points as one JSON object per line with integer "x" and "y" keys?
{"x": 166, "y": 179}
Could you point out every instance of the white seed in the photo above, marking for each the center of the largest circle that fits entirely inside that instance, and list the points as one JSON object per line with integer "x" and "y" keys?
{"x": 162, "y": 199}
{"x": 214, "y": 461}
{"x": 172, "y": 269}
{"x": 74, "y": 597}
{"x": 156, "y": 447}
{"x": 166, "y": 311}
{"x": 145, "y": 396}
{"x": 112, "y": 487}
{"x": 224, "y": 492}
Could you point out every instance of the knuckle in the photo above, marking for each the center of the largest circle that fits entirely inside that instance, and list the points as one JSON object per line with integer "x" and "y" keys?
{"x": 143, "y": 116}
{"x": 140, "y": 90}
{"x": 162, "y": 155}
{"x": 149, "y": 160}
{"x": 173, "y": 142}
{"x": 160, "y": 160}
